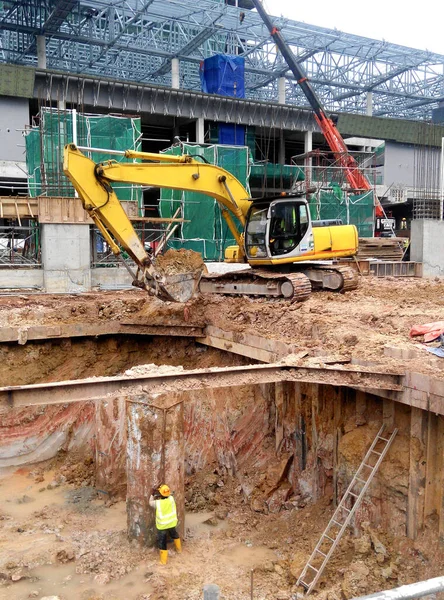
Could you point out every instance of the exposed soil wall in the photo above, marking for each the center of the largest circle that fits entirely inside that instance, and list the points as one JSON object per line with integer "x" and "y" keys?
{"x": 37, "y": 433}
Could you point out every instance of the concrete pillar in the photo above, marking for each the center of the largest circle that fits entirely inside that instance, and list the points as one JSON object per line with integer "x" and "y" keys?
{"x": 66, "y": 257}
{"x": 41, "y": 51}
{"x": 155, "y": 455}
{"x": 281, "y": 156}
{"x": 110, "y": 447}
{"x": 281, "y": 90}
{"x": 369, "y": 105}
{"x": 175, "y": 73}
{"x": 308, "y": 141}
{"x": 427, "y": 246}
{"x": 308, "y": 147}
{"x": 200, "y": 130}
{"x": 211, "y": 591}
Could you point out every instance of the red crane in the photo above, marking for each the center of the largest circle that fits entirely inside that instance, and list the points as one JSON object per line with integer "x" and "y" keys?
{"x": 354, "y": 175}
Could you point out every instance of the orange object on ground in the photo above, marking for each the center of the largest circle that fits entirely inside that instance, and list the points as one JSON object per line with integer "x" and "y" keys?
{"x": 430, "y": 331}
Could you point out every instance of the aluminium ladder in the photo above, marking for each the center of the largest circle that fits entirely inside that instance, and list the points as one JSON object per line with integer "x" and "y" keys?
{"x": 342, "y": 516}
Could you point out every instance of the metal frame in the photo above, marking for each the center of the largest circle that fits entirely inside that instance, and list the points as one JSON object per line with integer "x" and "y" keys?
{"x": 135, "y": 40}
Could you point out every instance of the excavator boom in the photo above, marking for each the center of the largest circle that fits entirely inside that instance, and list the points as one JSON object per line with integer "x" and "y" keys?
{"x": 93, "y": 183}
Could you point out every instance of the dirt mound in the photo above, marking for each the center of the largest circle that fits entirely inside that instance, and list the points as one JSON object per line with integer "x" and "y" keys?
{"x": 179, "y": 261}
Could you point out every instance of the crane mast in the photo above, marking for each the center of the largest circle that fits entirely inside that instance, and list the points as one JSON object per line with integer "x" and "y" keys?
{"x": 355, "y": 177}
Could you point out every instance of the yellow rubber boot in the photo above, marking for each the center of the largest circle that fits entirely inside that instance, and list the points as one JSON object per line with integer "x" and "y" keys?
{"x": 178, "y": 545}
{"x": 163, "y": 557}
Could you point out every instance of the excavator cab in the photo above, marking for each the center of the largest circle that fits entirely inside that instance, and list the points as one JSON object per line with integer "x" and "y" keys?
{"x": 278, "y": 228}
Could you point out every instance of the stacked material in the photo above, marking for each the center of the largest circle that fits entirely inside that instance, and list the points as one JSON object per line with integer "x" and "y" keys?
{"x": 381, "y": 248}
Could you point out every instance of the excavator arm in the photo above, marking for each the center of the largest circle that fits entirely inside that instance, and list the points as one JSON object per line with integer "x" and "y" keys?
{"x": 93, "y": 184}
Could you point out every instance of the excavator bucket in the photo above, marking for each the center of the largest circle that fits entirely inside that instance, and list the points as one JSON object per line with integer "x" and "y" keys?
{"x": 178, "y": 273}
{"x": 181, "y": 287}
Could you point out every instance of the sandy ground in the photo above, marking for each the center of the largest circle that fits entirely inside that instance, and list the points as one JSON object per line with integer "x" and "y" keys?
{"x": 359, "y": 323}
{"x": 60, "y": 539}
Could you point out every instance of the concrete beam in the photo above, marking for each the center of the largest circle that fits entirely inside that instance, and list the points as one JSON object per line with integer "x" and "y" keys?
{"x": 246, "y": 344}
{"x": 102, "y": 387}
{"x": 131, "y": 97}
{"x": 70, "y": 330}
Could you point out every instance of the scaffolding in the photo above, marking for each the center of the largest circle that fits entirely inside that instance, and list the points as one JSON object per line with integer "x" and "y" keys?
{"x": 328, "y": 193}
{"x": 204, "y": 229}
{"x": 52, "y": 129}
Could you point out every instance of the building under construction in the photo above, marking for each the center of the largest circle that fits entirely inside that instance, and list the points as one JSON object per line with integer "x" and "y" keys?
{"x": 301, "y": 432}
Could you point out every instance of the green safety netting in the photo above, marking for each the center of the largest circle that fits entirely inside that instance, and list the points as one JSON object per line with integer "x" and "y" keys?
{"x": 275, "y": 176}
{"x": 45, "y": 143}
{"x": 352, "y": 209}
{"x": 206, "y": 232}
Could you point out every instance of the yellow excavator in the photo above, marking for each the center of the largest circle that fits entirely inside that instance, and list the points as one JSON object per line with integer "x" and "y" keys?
{"x": 278, "y": 239}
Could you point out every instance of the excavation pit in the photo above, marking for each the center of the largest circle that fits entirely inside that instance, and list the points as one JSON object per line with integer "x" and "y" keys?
{"x": 256, "y": 467}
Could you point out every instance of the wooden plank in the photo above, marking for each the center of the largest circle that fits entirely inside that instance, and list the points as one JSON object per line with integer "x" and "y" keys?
{"x": 62, "y": 209}
{"x": 276, "y": 347}
{"x": 237, "y": 348}
{"x": 279, "y": 414}
{"x": 16, "y": 207}
{"x": 69, "y": 330}
{"x": 361, "y": 408}
{"x": 432, "y": 464}
{"x": 314, "y": 389}
{"x": 388, "y": 414}
{"x": 337, "y": 432}
{"x": 417, "y": 472}
{"x": 440, "y": 479}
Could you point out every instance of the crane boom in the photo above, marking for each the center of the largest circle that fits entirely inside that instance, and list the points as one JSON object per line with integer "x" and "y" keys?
{"x": 355, "y": 177}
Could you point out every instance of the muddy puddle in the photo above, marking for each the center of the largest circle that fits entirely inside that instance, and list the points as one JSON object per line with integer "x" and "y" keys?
{"x": 63, "y": 541}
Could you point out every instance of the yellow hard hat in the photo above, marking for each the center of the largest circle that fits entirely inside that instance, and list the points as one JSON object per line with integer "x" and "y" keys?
{"x": 164, "y": 490}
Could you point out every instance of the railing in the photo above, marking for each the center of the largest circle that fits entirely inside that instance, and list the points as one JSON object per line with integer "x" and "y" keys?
{"x": 20, "y": 245}
{"x": 150, "y": 234}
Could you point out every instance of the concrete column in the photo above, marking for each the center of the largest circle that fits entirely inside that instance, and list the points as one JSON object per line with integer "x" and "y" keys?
{"x": 308, "y": 147}
{"x": 175, "y": 73}
{"x": 41, "y": 51}
{"x": 427, "y": 246}
{"x": 308, "y": 141}
{"x": 200, "y": 130}
{"x": 155, "y": 455}
{"x": 281, "y": 157}
{"x": 110, "y": 447}
{"x": 211, "y": 591}
{"x": 281, "y": 90}
{"x": 369, "y": 107}
{"x": 66, "y": 257}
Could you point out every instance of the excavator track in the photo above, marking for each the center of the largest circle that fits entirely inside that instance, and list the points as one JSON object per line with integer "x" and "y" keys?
{"x": 336, "y": 278}
{"x": 258, "y": 282}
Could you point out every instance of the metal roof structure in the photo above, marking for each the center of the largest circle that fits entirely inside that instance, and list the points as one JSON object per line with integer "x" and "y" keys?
{"x": 135, "y": 40}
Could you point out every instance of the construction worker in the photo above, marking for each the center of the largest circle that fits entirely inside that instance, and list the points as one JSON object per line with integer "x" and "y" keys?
{"x": 166, "y": 520}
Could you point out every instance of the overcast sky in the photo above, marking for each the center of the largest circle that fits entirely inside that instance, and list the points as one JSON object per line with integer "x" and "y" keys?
{"x": 418, "y": 24}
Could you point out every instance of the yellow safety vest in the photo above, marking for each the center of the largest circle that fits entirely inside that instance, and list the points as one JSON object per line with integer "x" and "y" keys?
{"x": 166, "y": 515}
